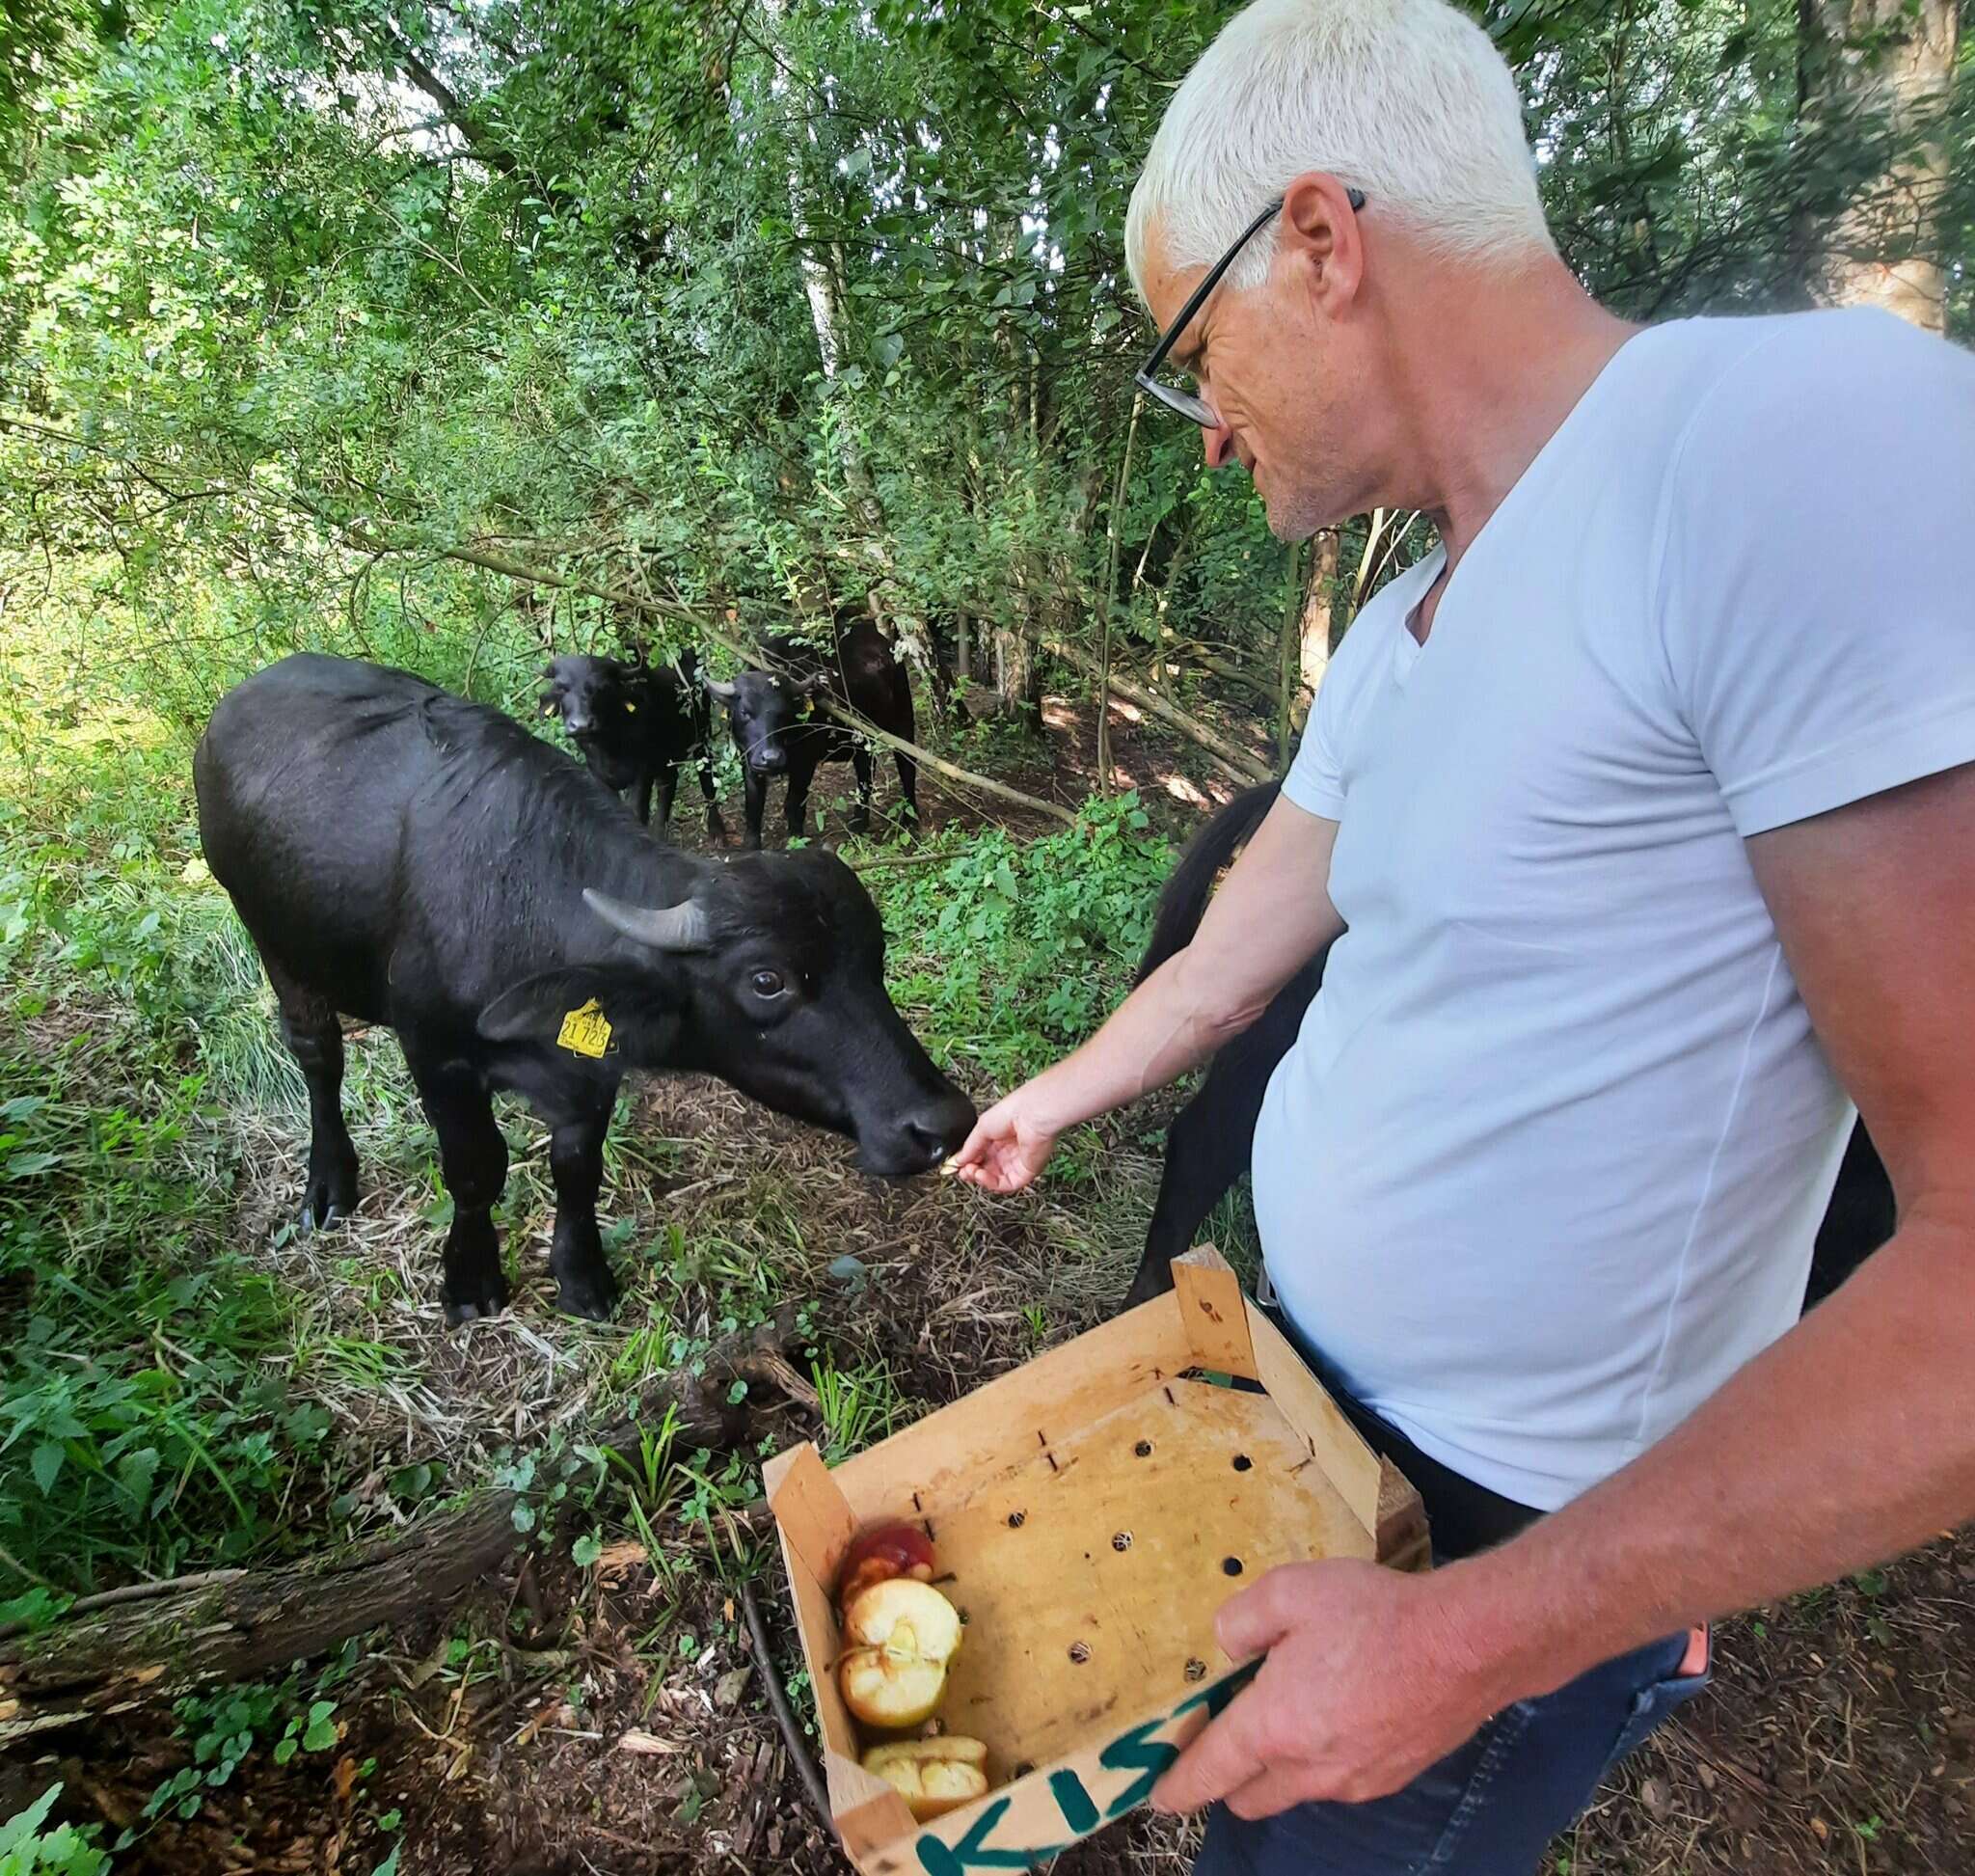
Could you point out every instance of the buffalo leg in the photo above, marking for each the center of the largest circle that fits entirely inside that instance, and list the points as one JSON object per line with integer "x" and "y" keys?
{"x": 796, "y": 802}
{"x": 757, "y": 806}
{"x": 583, "y": 1282}
{"x": 715, "y": 828}
{"x": 641, "y": 799}
{"x": 669, "y": 786}
{"x": 1210, "y": 1146}
{"x": 309, "y": 1028}
{"x": 1861, "y": 1216}
{"x": 860, "y": 764}
{"x": 473, "y": 1156}
{"x": 908, "y": 787}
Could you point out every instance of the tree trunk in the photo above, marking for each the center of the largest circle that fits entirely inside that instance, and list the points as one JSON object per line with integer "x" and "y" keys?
{"x": 1109, "y": 598}
{"x": 1319, "y": 634}
{"x": 821, "y": 287}
{"x": 158, "y": 1641}
{"x": 1017, "y": 679}
{"x": 1287, "y": 653}
{"x": 1880, "y": 70}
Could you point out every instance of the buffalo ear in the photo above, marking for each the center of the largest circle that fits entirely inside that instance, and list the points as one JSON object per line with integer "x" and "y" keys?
{"x": 536, "y": 1009}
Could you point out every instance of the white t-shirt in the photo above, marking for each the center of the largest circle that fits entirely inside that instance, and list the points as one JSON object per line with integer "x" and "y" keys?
{"x": 1544, "y": 1166}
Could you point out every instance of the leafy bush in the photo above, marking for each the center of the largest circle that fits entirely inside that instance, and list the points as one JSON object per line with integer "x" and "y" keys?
{"x": 26, "y": 1849}
{"x": 1008, "y": 952}
{"x": 144, "y": 1416}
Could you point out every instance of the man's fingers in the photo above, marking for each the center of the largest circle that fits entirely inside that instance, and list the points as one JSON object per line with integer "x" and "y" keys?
{"x": 1252, "y": 1622}
{"x": 1224, "y": 1758}
{"x": 1272, "y": 1791}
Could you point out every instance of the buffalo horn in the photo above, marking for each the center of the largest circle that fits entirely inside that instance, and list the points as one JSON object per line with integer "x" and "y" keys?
{"x": 715, "y": 688}
{"x": 684, "y": 927}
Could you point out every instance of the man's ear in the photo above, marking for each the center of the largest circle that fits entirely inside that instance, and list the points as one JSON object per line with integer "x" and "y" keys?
{"x": 1321, "y": 227}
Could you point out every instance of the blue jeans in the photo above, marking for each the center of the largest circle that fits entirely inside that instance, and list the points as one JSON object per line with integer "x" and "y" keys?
{"x": 1489, "y": 1808}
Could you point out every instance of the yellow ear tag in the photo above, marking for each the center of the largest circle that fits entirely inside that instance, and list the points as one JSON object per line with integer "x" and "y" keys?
{"x": 585, "y": 1031}
{"x": 631, "y": 710}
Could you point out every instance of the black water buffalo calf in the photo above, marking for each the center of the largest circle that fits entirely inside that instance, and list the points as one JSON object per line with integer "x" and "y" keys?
{"x": 778, "y": 732}
{"x": 406, "y": 857}
{"x": 636, "y": 726}
{"x": 1209, "y": 1144}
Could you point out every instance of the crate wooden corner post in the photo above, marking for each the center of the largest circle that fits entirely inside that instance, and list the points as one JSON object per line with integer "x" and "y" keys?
{"x": 816, "y": 1526}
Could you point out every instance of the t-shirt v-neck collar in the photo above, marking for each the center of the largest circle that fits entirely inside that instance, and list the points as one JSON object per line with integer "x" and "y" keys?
{"x": 1407, "y": 650}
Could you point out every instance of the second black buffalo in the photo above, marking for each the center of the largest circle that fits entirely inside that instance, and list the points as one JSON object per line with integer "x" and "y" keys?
{"x": 636, "y": 726}
{"x": 406, "y": 857}
{"x": 779, "y": 731}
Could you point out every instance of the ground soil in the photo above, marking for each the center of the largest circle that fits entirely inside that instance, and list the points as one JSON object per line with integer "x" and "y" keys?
{"x": 610, "y": 1720}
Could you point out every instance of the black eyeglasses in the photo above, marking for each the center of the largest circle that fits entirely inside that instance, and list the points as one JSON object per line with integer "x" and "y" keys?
{"x": 1185, "y": 402}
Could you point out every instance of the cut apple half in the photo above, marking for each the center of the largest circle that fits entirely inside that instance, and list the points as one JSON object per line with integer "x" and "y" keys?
{"x": 933, "y": 1776}
{"x": 900, "y": 1635}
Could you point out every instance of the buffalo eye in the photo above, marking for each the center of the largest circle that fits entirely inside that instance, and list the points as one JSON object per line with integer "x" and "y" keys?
{"x": 765, "y": 984}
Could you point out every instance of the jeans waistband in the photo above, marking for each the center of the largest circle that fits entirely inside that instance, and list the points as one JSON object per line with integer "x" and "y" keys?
{"x": 1462, "y": 1517}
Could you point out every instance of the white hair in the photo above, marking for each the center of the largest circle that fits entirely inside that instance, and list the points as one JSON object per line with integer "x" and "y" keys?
{"x": 1407, "y": 99}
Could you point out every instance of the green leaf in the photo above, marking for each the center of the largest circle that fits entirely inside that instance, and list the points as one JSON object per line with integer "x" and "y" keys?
{"x": 321, "y": 1734}
{"x": 586, "y": 1549}
{"x": 47, "y": 1462}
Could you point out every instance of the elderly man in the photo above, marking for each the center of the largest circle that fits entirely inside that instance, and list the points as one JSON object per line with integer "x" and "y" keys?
{"x": 1643, "y": 809}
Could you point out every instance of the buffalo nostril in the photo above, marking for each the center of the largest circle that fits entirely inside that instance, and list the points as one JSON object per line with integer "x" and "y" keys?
{"x": 930, "y": 1146}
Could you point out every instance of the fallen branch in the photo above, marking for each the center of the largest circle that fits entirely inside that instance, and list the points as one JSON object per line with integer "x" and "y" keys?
{"x": 850, "y": 720}
{"x": 1232, "y": 756}
{"x": 513, "y": 569}
{"x": 785, "y": 1716}
{"x": 159, "y": 1640}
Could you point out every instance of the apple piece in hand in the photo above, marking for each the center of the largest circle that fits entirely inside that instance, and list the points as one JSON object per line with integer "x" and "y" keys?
{"x": 900, "y": 1635}
{"x": 933, "y": 1776}
{"x": 884, "y": 1551}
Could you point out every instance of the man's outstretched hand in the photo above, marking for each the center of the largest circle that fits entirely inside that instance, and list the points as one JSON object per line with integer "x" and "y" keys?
{"x": 1367, "y": 1682}
{"x": 1009, "y": 1146}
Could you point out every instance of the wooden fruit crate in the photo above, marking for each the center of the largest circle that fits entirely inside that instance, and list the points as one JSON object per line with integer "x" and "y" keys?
{"x": 1091, "y": 1510}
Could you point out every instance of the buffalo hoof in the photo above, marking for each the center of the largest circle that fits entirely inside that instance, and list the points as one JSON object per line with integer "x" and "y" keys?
{"x": 859, "y": 822}
{"x": 471, "y": 1309}
{"x": 1151, "y": 1281}
{"x": 588, "y": 1294}
{"x": 715, "y": 828}
{"x": 327, "y": 1201}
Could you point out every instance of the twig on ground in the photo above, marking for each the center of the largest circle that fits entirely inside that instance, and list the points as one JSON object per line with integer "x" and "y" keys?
{"x": 785, "y": 1715}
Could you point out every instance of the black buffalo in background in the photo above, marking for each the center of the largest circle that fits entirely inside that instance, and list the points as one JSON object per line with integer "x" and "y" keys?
{"x": 779, "y": 732}
{"x": 406, "y": 857}
{"x": 1209, "y": 1144}
{"x": 638, "y": 725}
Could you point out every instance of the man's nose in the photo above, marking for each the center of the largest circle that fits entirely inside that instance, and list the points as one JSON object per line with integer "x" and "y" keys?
{"x": 1219, "y": 445}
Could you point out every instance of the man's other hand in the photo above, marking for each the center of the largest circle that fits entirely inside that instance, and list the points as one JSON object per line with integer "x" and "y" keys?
{"x": 1367, "y": 1683}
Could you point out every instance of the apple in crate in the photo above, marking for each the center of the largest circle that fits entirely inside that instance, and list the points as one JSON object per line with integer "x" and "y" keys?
{"x": 886, "y": 1551}
{"x": 933, "y": 1776}
{"x": 899, "y": 1635}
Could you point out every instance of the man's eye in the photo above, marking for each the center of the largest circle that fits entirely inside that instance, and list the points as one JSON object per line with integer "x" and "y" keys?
{"x": 765, "y": 982}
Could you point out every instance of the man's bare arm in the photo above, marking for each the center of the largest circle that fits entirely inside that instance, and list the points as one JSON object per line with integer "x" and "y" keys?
{"x": 1272, "y": 914}
{"x": 1854, "y": 1437}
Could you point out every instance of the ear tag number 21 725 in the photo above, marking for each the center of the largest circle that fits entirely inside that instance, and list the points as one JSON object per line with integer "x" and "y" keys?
{"x": 585, "y": 1031}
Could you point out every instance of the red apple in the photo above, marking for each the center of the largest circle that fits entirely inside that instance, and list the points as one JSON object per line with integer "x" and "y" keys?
{"x": 933, "y": 1776}
{"x": 899, "y": 1636}
{"x": 884, "y": 1551}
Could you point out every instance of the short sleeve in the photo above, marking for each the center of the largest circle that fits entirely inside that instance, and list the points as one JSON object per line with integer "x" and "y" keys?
{"x": 1817, "y": 600}
{"x": 1315, "y": 782}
